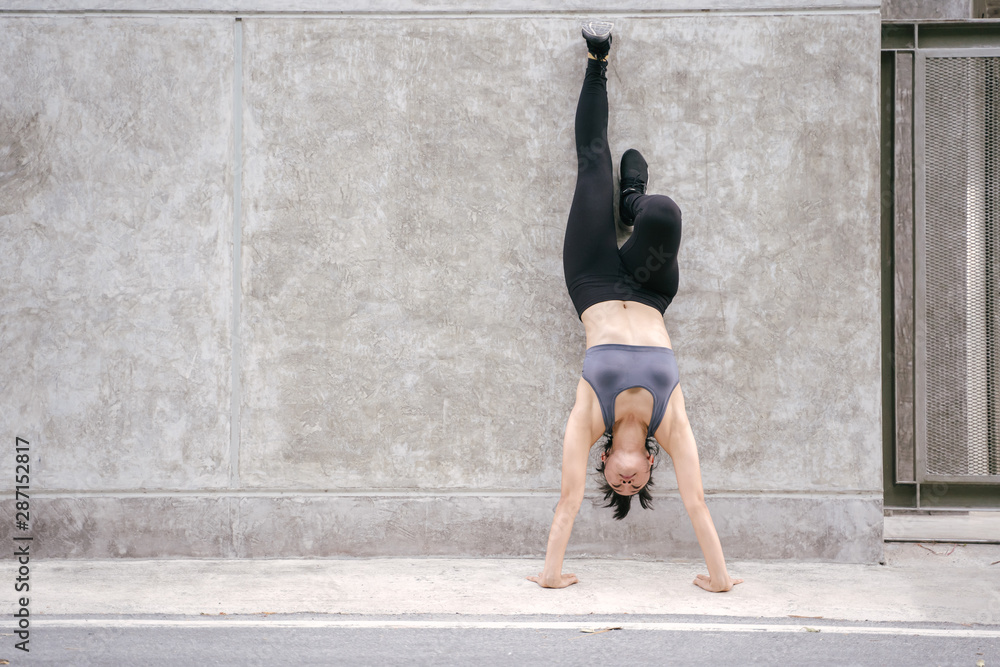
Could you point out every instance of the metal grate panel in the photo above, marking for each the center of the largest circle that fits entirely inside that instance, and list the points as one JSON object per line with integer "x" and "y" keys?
{"x": 961, "y": 253}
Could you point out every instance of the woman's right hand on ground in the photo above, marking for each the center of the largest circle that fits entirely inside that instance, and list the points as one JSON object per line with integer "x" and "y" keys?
{"x": 561, "y": 581}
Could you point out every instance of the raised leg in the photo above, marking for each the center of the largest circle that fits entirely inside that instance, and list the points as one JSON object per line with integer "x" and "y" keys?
{"x": 650, "y": 254}
{"x": 590, "y": 246}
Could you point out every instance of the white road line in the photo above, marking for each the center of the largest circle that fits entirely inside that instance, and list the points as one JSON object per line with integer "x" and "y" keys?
{"x": 228, "y": 623}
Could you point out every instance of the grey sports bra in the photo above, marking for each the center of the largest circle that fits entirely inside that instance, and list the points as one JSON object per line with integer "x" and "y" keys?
{"x": 612, "y": 368}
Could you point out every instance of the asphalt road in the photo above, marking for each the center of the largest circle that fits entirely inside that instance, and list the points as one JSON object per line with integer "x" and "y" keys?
{"x": 500, "y": 640}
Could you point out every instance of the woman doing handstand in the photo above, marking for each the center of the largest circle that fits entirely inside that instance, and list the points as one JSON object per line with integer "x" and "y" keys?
{"x": 629, "y": 388}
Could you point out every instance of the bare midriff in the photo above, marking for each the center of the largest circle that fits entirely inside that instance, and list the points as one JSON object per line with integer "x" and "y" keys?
{"x": 624, "y": 323}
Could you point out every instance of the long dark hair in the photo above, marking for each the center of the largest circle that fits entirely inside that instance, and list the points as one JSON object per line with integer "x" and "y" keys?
{"x": 621, "y": 503}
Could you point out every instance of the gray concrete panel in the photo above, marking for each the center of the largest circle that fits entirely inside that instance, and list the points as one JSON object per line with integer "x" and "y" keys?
{"x": 406, "y": 322}
{"x": 127, "y": 527}
{"x": 405, "y": 317}
{"x": 844, "y": 529}
{"x": 838, "y": 528}
{"x": 461, "y": 7}
{"x": 115, "y": 288}
{"x": 765, "y": 132}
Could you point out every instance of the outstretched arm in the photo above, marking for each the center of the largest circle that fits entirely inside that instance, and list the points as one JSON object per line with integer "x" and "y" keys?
{"x": 684, "y": 455}
{"x": 576, "y": 448}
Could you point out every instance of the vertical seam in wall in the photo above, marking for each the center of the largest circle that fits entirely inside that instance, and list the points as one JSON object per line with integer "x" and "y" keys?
{"x": 236, "y": 352}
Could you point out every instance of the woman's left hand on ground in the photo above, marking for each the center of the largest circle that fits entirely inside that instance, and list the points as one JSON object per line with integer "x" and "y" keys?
{"x": 708, "y": 584}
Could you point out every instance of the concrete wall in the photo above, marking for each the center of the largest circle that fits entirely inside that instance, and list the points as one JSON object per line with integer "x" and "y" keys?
{"x": 392, "y": 373}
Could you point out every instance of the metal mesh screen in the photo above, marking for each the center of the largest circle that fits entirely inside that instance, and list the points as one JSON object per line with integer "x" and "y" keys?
{"x": 962, "y": 263}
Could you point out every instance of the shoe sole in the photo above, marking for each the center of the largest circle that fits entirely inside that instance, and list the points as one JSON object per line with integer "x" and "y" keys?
{"x": 598, "y": 30}
{"x": 637, "y": 153}
{"x": 618, "y": 195}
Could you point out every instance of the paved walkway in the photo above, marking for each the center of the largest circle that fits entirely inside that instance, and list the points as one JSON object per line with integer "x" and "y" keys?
{"x": 919, "y": 582}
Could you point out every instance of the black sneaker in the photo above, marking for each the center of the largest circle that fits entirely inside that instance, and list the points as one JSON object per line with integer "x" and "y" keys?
{"x": 598, "y": 36}
{"x": 633, "y": 174}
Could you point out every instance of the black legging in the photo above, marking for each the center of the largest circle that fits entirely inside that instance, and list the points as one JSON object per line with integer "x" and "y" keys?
{"x": 645, "y": 268}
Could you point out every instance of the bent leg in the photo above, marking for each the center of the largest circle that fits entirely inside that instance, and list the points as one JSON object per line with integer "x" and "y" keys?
{"x": 650, "y": 254}
{"x": 591, "y": 246}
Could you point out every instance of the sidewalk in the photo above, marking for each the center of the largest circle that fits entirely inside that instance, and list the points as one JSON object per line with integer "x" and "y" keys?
{"x": 932, "y": 582}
